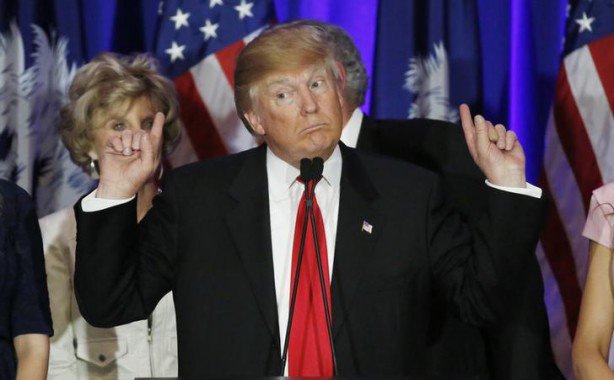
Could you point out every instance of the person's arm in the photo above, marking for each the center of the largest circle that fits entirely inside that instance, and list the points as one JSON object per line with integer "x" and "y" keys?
{"x": 122, "y": 270}
{"x": 32, "y": 351}
{"x": 476, "y": 268}
{"x": 30, "y": 316}
{"x": 596, "y": 322}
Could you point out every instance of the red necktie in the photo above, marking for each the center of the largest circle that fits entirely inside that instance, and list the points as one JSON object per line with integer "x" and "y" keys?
{"x": 309, "y": 351}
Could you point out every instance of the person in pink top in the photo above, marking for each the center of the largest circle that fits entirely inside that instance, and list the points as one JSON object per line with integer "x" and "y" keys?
{"x": 591, "y": 345}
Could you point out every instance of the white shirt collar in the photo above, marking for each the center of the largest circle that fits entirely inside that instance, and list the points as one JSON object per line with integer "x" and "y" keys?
{"x": 351, "y": 130}
{"x": 281, "y": 175}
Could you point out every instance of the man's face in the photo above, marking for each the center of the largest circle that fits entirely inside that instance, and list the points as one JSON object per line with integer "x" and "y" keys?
{"x": 298, "y": 113}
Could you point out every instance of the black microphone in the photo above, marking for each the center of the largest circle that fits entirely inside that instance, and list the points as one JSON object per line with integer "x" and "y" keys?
{"x": 311, "y": 170}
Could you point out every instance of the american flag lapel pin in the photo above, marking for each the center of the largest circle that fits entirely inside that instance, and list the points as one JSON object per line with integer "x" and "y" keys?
{"x": 367, "y": 227}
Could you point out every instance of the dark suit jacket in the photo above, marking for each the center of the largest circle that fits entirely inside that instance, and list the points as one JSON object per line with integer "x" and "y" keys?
{"x": 518, "y": 347}
{"x": 207, "y": 239}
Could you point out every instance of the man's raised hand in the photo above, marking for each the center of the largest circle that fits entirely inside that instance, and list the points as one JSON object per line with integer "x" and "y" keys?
{"x": 495, "y": 150}
{"x": 129, "y": 160}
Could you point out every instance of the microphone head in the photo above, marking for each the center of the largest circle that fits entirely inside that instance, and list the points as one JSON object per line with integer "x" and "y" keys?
{"x": 317, "y": 167}
{"x": 306, "y": 170}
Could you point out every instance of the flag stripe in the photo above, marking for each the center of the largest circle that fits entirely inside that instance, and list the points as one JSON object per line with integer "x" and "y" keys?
{"x": 228, "y": 59}
{"x": 558, "y": 252}
{"x": 198, "y": 123}
{"x": 588, "y": 95}
{"x": 602, "y": 52}
{"x": 559, "y": 331}
{"x": 213, "y": 87}
{"x": 574, "y": 139}
{"x": 566, "y": 197}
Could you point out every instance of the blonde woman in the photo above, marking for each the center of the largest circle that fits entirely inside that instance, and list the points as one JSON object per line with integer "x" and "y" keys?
{"x": 594, "y": 333}
{"x": 109, "y": 95}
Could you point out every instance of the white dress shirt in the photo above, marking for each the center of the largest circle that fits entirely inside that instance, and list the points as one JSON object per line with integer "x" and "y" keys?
{"x": 351, "y": 130}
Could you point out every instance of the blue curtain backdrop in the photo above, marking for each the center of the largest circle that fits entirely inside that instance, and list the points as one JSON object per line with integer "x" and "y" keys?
{"x": 519, "y": 50}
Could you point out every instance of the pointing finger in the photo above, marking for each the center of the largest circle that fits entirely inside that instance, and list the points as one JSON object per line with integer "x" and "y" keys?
{"x": 157, "y": 128}
{"x": 468, "y": 129}
{"x": 151, "y": 141}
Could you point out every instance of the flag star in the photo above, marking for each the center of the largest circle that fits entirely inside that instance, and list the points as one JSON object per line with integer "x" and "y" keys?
{"x": 209, "y": 29}
{"x": 175, "y": 51}
{"x": 213, "y": 3}
{"x": 244, "y": 9}
{"x": 180, "y": 19}
{"x": 585, "y": 23}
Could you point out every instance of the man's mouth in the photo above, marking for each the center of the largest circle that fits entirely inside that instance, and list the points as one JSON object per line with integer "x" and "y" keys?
{"x": 312, "y": 128}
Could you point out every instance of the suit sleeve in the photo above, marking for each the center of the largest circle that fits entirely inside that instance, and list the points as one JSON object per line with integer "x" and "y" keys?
{"x": 475, "y": 267}
{"x": 123, "y": 269}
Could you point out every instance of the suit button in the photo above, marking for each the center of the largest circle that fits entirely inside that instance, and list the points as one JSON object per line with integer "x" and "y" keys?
{"x": 102, "y": 358}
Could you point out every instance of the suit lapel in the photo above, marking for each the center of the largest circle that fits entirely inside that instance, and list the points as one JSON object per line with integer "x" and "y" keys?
{"x": 249, "y": 225}
{"x": 358, "y": 228}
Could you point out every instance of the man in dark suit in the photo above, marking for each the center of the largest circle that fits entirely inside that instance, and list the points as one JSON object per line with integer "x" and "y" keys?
{"x": 518, "y": 347}
{"x": 220, "y": 236}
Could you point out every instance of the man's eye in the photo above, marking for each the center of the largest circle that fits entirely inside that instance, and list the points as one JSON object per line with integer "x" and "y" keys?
{"x": 119, "y": 127}
{"x": 317, "y": 84}
{"x": 282, "y": 95}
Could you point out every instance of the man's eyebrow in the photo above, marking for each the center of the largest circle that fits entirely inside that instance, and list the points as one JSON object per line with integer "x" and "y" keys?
{"x": 278, "y": 81}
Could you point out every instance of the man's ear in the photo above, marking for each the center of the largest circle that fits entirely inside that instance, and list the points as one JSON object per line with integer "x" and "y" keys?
{"x": 342, "y": 73}
{"x": 254, "y": 122}
{"x": 341, "y": 81}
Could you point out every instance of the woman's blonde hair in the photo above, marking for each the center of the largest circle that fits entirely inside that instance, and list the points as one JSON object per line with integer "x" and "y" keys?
{"x": 283, "y": 47}
{"x": 107, "y": 82}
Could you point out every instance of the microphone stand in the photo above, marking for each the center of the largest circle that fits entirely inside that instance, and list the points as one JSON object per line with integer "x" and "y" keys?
{"x": 284, "y": 357}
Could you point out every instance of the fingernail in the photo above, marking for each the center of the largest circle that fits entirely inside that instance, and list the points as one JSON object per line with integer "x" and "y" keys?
{"x": 479, "y": 119}
{"x": 127, "y": 151}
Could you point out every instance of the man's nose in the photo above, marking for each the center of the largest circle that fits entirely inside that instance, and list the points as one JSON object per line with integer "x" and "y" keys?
{"x": 309, "y": 102}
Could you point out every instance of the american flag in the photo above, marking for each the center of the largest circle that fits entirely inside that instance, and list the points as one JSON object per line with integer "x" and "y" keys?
{"x": 579, "y": 157}
{"x": 197, "y": 45}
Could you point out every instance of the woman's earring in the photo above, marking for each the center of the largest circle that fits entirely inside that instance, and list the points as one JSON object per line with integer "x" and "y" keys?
{"x": 93, "y": 169}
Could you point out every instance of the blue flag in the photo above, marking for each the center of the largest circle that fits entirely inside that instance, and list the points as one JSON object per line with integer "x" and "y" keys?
{"x": 427, "y": 59}
{"x": 42, "y": 43}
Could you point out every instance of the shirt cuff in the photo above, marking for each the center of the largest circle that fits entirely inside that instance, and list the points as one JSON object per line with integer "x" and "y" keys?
{"x": 90, "y": 203}
{"x": 530, "y": 190}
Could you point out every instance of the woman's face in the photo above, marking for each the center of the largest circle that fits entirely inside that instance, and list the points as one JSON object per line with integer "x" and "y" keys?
{"x": 133, "y": 114}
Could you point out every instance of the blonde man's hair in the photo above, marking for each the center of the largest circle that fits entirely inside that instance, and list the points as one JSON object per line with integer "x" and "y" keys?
{"x": 104, "y": 84}
{"x": 283, "y": 47}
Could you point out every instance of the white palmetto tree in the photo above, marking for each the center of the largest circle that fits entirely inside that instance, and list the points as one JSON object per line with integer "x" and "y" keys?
{"x": 427, "y": 79}
{"x": 31, "y": 153}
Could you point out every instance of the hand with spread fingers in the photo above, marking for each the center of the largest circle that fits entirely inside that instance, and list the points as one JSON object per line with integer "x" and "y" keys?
{"x": 129, "y": 160}
{"x": 495, "y": 150}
